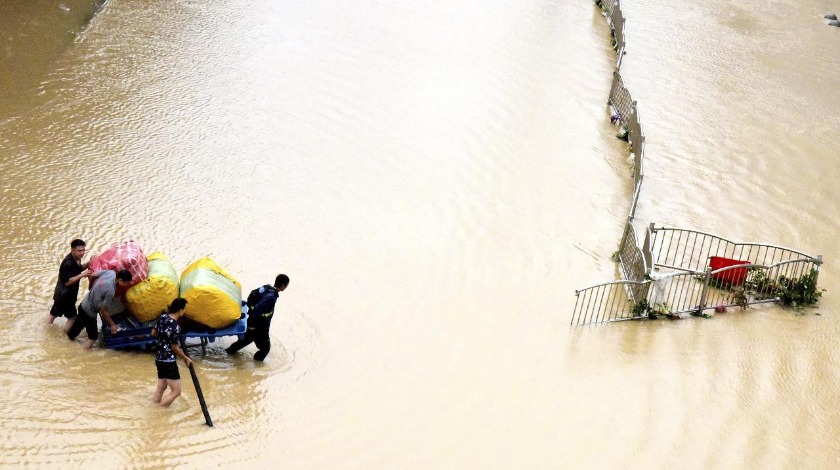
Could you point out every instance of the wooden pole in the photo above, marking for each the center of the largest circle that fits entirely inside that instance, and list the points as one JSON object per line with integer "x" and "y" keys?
{"x": 197, "y": 387}
{"x": 200, "y": 397}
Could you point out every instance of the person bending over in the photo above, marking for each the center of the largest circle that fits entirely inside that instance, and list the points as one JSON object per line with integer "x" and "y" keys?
{"x": 260, "y": 311}
{"x": 100, "y": 299}
{"x": 167, "y": 335}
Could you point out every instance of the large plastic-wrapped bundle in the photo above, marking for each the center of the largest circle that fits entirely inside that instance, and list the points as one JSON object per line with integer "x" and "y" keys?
{"x": 125, "y": 255}
{"x": 149, "y": 298}
{"x": 214, "y": 298}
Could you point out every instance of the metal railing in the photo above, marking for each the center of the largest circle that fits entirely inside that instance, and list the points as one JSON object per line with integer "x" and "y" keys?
{"x": 633, "y": 263}
{"x": 615, "y": 19}
{"x": 607, "y": 5}
{"x": 606, "y": 302}
{"x": 680, "y": 292}
{"x": 690, "y": 249}
{"x": 620, "y": 99}
{"x": 637, "y": 141}
{"x": 628, "y": 116}
{"x": 692, "y": 286}
{"x": 762, "y": 283}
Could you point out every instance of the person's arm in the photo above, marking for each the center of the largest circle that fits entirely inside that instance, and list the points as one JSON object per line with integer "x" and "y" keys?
{"x": 176, "y": 348}
{"x": 76, "y": 279}
{"x": 252, "y": 297}
{"x": 106, "y": 317}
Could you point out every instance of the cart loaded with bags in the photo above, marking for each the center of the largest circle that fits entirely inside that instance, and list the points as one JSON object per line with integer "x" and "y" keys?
{"x": 214, "y": 298}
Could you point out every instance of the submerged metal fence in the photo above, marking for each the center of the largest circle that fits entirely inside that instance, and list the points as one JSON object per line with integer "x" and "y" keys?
{"x": 620, "y": 98}
{"x": 633, "y": 263}
{"x": 637, "y": 144}
{"x": 670, "y": 272}
{"x": 690, "y": 249}
{"x": 685, "y": 291}
{"x": 606, "y": 302}
{"x": 615, "y": 19}
{"x": 627, "y": 115}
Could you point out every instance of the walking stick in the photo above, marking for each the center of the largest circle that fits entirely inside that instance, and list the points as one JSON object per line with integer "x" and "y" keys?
{"x": 197, "y": 387}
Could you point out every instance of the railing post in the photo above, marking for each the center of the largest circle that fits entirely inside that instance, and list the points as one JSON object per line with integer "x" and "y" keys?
{"x": 816, "y": 267}
{"x": 705, "y": 292}
{"x": 648, "y": 256}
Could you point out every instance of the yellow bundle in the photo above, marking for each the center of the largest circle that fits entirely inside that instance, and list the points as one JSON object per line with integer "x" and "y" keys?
{"x": 214, "y": 298}
{"x": 153, "y": 295}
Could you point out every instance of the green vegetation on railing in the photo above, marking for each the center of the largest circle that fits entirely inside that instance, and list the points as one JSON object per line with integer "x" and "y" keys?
{"x": 758, "y": 284}
{"x": 799, "y": 292}
{"x": 643, "y": 307}
{"x": 740, "y": 297}
{"x": 640, "y": 308}
{"x": 790, "y": 292}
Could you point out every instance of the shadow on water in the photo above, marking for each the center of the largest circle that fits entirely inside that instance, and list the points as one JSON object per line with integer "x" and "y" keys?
{"x": 33, "y": 35}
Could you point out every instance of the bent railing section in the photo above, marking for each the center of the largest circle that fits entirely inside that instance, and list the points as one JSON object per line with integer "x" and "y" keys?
{"x": 633, "y": 263}
{"x": 762, "y": 284}
{"x": 620, "y": 99}
{"x": 627, "y": 115}
{"x": 687, "y": 292}
{"x": 678, "y": 259}
{"x": 637, "y": 144}
{"x": 606, "y": 303}
{"x": 615, "y": 19}
{"x": 690, "y": 249}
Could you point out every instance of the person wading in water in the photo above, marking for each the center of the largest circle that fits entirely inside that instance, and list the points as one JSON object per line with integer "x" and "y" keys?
{"x": 167, "y": 335}
{"x": 261, "y": 303}
{"x": 70, "y": 275}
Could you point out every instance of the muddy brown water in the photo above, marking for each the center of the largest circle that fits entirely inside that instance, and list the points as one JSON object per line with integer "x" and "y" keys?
{"x": 437, "y": 179}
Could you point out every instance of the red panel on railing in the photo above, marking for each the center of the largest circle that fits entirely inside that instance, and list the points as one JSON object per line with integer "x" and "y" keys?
{"x": 735, "y": 276}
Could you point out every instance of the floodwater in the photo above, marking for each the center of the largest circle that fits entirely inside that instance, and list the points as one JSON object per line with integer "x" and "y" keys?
{"x": 437, "y": 178}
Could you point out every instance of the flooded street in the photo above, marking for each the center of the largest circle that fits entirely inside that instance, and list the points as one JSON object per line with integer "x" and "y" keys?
{"x": 436, "y": 179}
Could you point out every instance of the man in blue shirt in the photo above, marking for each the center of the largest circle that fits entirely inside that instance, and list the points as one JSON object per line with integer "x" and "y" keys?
{"x": 261, "y": 303}
{"x": 167, "y": 335}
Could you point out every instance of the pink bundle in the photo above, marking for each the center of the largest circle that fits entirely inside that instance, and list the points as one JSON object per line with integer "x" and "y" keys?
{"x": 125, "y": 255}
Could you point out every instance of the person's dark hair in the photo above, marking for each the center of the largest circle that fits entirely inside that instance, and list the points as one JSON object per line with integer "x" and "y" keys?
{"x": 177, "y": 305}
{"x": 124, "y": 275}
{"x": 281, "y": 280}
{"x": 77, "y": 243}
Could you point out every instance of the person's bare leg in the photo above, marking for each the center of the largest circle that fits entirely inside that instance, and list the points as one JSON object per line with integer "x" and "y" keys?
{"x": 89, "y": 344}
{"x": 49, "y": 320}
{"x": 68, "y": 324}
{"x": 174, "y": 392}
{"x": 161, "y": 387}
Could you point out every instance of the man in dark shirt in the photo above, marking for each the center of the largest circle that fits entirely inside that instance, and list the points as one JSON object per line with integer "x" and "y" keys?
{"x": 261, "y": 303}
{"x": 167, "y": 335}
{"x": 70, "y": 274}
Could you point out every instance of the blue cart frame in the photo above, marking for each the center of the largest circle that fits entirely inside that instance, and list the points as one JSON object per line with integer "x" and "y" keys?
{"x": 133, "y": 334}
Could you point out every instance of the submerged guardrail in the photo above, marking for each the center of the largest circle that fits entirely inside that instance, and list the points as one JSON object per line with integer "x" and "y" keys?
{"x": 680, "y": 292}
{"x": 671, "y": 271}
